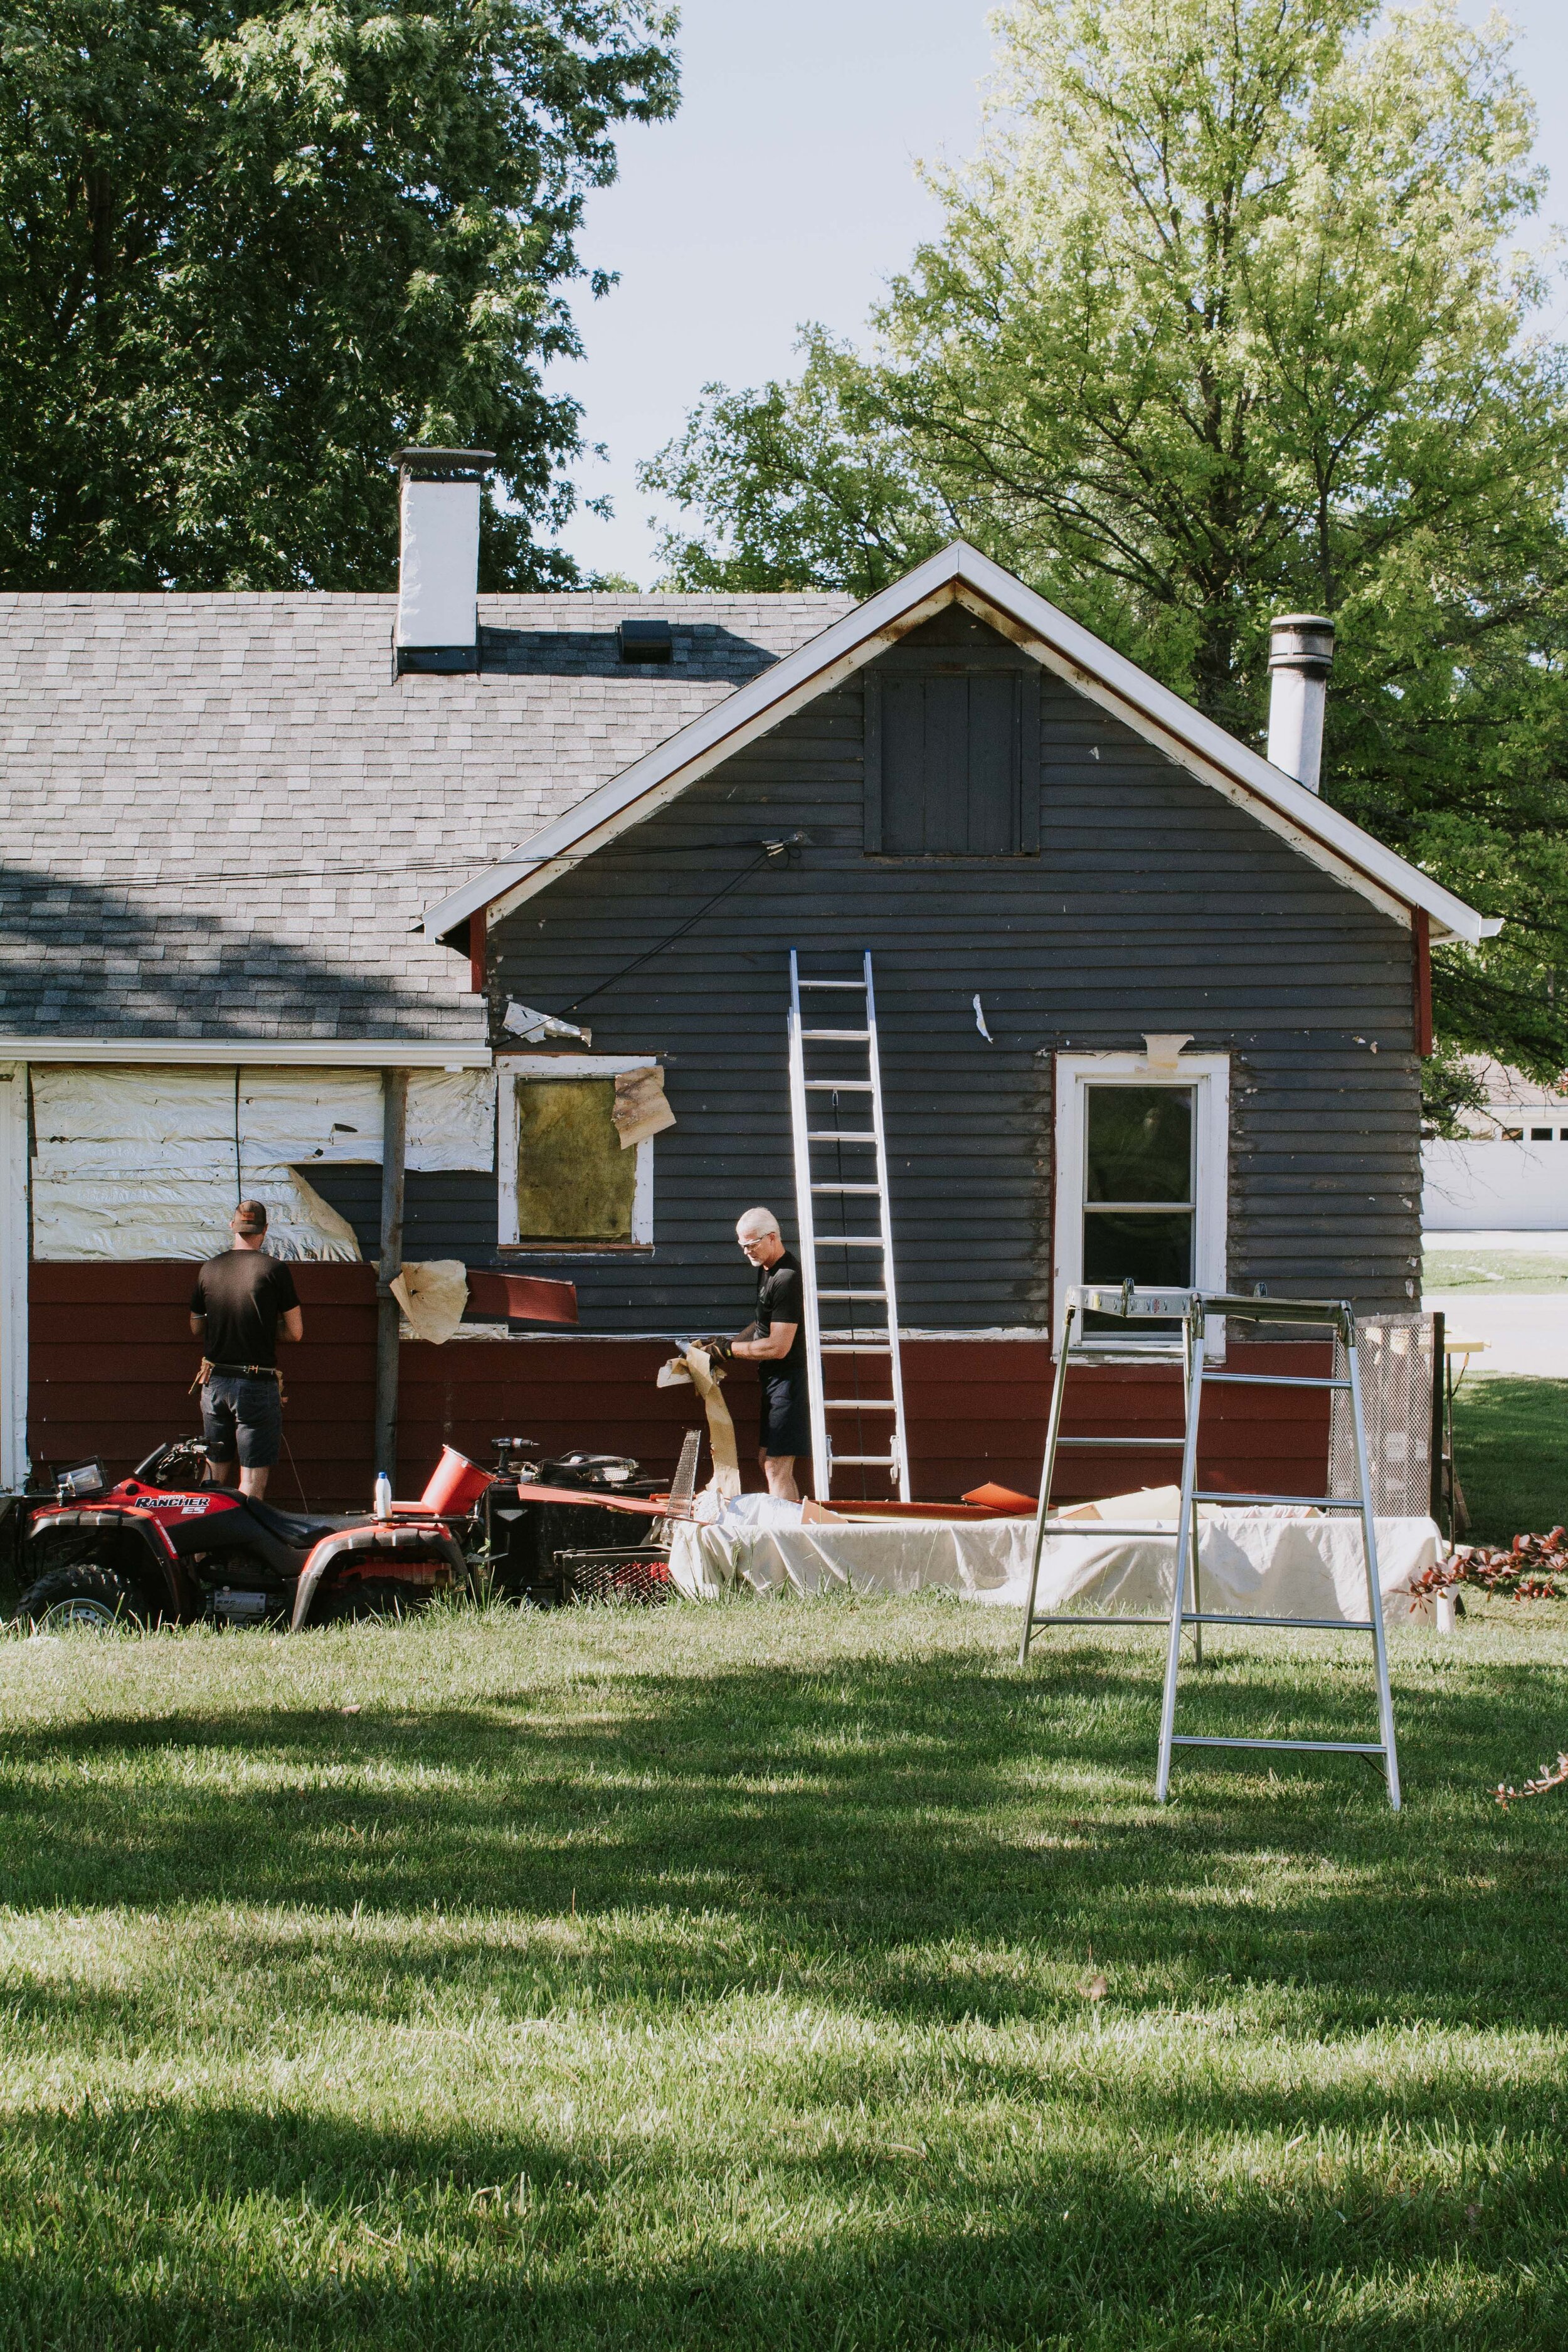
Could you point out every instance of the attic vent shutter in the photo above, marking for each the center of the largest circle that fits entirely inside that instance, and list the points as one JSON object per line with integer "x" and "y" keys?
{"x": 952, "y": 764}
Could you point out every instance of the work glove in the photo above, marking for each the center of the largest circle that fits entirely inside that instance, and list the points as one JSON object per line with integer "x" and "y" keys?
{"x": 719, "y": 1349}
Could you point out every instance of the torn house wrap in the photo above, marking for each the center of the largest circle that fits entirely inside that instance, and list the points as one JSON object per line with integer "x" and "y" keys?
{"x": 148, "y": 1162}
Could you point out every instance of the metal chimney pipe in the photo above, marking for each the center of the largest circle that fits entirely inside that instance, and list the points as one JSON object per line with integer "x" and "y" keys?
{"x": 1300, "y": 652}
{"x": 438, "y": 557}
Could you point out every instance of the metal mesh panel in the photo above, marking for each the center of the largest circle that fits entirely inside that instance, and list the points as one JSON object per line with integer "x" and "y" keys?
{"x": 630, "y": 1572}
{"x": 1395, "y": 1355}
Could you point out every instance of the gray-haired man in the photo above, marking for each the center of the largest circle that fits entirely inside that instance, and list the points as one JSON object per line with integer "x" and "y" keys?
{"x": 775, "y": 1343}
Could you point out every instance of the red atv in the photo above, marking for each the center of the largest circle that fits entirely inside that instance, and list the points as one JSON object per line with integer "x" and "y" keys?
{"x": 162, "y": 1546}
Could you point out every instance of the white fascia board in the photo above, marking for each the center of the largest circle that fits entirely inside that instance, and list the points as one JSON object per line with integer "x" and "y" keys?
{"x": 1081, "y": 658}
{"x": 250, "y": 1053}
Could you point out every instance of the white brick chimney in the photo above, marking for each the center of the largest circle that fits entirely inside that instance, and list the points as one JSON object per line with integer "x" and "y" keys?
{"x": 439, "y": 558}
{"x": 1301, "y": 651}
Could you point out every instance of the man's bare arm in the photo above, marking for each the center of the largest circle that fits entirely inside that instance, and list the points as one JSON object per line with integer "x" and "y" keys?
{"x": 291, "y": 1322}
{"x": 199, "y": 1326}
{"x": 778, "y": 1344}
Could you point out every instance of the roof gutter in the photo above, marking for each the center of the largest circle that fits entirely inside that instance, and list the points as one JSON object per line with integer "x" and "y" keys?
{"x": 281, "y": 1053}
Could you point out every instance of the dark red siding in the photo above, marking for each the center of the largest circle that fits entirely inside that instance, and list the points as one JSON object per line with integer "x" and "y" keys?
{"x": 112, "y": 1361}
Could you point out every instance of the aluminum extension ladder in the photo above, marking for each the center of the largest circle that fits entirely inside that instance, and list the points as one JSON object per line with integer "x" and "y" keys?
{"x": 812, "y": 1099}
{"x": 1194, "y": 1308}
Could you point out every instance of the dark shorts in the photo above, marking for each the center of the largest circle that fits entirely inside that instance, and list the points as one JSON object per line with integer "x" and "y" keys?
{"x": 242, "y": 1416}
{"x": 787, "y": 1414}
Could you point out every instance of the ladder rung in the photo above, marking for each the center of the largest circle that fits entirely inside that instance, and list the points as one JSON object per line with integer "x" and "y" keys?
{"x": 1155, "y": 1533}
{"x": 856, "y": 1347}
{"x": 867, "y": 1461}
{"x": 838, "y": 1086}
{"x": 847, "y": 1241}
{"x": 851, "y": 1294}
{"x": 1291, "y": 1624}
{"x": 834, "y": 983}
{"x": 1136, "y": 1444}
{"x": 875, "y": 1190}
{"x": 860, "y": 1404}
{"x": 1290, "y": 1502}
{"x": 1306, "y": 1746}
{"x": 839, "y": 1036}
{"x": 1057, "y": 1618}
{"x": 1272, "y": 1380}
{"x": 832, "y": 1135}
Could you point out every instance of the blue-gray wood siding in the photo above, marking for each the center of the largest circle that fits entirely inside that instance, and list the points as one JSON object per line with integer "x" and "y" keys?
{"x": 1152, "y": 905}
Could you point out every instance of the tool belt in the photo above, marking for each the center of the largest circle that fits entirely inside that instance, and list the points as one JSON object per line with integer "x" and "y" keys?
{"x": 238, "y": 1372}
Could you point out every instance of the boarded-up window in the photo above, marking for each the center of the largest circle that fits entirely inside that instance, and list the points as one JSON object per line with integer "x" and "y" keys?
{"x": 953, "y": 763}
{"x": 574, "y": 1182}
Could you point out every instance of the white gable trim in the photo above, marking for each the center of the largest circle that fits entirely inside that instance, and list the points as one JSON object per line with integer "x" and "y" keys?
{"x": 1071, "y": 651}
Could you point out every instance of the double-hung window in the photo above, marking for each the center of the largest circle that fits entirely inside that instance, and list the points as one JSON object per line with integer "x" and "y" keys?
{"x": 1142, "y": 1163}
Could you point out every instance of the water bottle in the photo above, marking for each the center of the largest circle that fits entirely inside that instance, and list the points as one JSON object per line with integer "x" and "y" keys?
{"x": 382, "y": 1496}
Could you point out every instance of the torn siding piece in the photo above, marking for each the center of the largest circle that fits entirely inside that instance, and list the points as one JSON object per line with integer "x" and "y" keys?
{"x": 433, "y": 1295}
{"x": 641, "y": 1107}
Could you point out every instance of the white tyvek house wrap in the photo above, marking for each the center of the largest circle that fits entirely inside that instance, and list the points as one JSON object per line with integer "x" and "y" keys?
{"x": 148, "y": 1162}
{"x": 1264, "y": 1562}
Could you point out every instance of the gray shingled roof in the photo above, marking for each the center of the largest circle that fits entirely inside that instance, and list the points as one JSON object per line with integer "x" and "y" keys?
{"x": 224, "y": 813}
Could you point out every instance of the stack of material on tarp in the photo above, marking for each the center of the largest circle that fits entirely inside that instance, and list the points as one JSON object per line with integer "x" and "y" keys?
{"x": 1276, "y": 1561}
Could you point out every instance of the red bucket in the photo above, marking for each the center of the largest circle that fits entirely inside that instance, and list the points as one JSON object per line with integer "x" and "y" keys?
{"x": 455, "y": 1484}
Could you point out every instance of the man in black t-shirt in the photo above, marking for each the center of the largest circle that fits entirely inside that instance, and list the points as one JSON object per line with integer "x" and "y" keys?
{"x": 775, "y": 1343}
{"x": 240, "y": 1303}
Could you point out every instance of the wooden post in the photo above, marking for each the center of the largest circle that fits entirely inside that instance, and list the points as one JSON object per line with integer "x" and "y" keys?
{"x": 394, "y": 1139}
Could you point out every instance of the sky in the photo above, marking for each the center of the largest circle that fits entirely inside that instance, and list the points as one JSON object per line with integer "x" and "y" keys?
{"x": 785, "y": 189}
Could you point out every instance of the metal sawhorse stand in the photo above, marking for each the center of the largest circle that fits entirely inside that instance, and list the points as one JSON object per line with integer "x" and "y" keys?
{"x": 1195, "y": 1309}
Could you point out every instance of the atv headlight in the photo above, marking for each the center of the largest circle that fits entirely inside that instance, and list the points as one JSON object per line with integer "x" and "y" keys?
{"x": 80, "y": 1481}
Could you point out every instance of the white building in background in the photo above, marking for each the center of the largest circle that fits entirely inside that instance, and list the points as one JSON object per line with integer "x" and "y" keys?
{"x": 1511, "y": 1174}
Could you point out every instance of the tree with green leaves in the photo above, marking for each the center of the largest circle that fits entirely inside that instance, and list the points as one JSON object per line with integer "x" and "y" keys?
{"x": 1224, "y": 322}
{"x": 248, "y": 248}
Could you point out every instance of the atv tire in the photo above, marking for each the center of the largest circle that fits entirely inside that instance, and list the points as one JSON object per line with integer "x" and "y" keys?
{"x": 84, "y": 1593}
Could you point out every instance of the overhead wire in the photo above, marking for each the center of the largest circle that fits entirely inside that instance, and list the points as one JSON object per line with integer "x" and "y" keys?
{"x": 769, "y": 850}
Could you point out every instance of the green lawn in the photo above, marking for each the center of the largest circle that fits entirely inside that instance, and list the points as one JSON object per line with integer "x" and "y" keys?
{"x": 1503, "y": 1273}
{"x": 1511, "y": 1444}
{"x": 719, "y": 1977}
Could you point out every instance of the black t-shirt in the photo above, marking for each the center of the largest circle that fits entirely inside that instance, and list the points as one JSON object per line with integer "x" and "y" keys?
{"x": 242, "y": 1294}
{"x": 782, "y": 1299}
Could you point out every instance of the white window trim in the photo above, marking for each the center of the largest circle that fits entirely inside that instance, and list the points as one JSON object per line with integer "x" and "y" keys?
{"x": 510, "y": 1068}
{"x": 1209, "y": 1076}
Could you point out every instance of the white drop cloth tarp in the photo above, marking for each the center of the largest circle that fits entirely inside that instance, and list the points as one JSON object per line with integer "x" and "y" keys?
{"x": 1254, "y": 1562}
{"x": 136, "y": 1163}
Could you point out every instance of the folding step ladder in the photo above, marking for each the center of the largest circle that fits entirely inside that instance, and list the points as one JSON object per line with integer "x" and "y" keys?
{"x": 1195, "y": 1309}
{"x": 858, "y": 1263}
